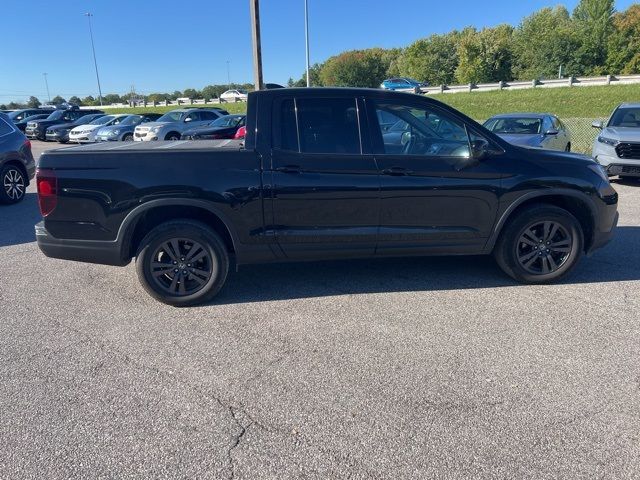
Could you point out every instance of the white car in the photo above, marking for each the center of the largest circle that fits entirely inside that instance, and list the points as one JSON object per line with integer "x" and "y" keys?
{"x": 235, "y": 96}
{"x": 171, "y": 125}
{"x": 617, "y": 146}
{"x": 87, "y": 133}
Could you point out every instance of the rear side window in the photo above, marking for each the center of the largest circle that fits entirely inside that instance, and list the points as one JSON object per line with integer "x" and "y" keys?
{"x": 328, "y": 125}
{"x": 5, "y": 128}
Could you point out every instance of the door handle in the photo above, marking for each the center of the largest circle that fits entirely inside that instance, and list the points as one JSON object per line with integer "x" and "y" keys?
{"x": 288, "y": 169}
{"x": 396, "y": 171}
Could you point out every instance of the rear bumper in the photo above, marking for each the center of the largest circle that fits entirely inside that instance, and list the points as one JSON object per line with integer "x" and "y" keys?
{"x": 90, "y": 251}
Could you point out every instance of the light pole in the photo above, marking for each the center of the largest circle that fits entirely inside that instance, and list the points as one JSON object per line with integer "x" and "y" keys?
{"x": 254, "y": 8}
{"x": 228, "y": 74}
{"x": 47, "y": 85}
{"x": 306, "y": 37}
{"x": 95, "y": 62}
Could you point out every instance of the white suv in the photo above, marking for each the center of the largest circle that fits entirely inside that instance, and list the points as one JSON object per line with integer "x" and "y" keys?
{"x": 617, "y": 147}
{"x": 171, "y": 125}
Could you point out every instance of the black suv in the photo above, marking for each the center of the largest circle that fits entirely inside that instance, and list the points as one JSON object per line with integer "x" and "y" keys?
{"x": 38, "y": 128}
{"x": 17, "y": 166}
{"x": 19, "y": 115}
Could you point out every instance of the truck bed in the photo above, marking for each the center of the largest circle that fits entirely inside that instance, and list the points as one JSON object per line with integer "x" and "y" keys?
{"x": 207, "y": 145}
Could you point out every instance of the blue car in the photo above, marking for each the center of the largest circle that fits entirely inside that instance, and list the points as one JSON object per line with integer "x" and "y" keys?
{"x": 403, "y": 83}
{"x": 123, "y": 131}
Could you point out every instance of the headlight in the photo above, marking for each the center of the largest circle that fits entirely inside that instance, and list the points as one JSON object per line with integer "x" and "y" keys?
{"x": 155, "y": 129}
{"x": 599, "y": 170}
{"x": 607, "y": 141}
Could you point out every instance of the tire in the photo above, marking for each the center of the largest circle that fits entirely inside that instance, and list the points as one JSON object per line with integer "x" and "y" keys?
{"x": 173, "y": 279}
{"x": 13, "y": 184}
{"x": 172, "y": 136}
{"x": 128, "y": 137}
{"x": 555, "y": 227}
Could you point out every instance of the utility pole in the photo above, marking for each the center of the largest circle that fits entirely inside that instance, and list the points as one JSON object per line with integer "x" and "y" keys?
{"x": 47, "y": 85}
{"x": 228, "y": 75}
{"x": 95, "y": 62}
{"x": 254, "y": 6}
{"x": 306, "y": 37}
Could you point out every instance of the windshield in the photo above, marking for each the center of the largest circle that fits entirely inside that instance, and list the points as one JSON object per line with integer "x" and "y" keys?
{"x": 57, "y": 115}
{"x": 87, "y": 118}
{"x": 515, "y": 126}
{"x": 101, "y": 120}
{"x": 131, "y": 120}
{"x": 171, "y": 117}
{"x": 625, "y": 117}
{"x": 228, "y": 121}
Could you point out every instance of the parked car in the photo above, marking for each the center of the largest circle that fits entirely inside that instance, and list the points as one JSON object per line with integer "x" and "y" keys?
{"x": 60, "y": 133}
{"x": 87, "y": 133}
{"x": 171, "y": 125}
{"x": 314, "y": 181}
{"x": 22, "y": 124}
{"x": 403, "y": 83}
{"x": 532, "y": 130}
{"x": 223, "y": 127}
{"x": 234, "y": 96}
{"x": 617, "y": 147}
{"x": 38, "y": 128}
{"x": 19, "y": 115}
{"x": 17, "y": 166}
{"x": 123, "y": 131}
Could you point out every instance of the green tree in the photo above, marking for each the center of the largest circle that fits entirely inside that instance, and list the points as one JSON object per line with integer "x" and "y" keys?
{"x": 192, "y": 93}
{"x": 75, "y": 100}
{"x": 433, "y": 59}
{"x": 593, "y": 22}
{"x": 314, "y": 75}
{"x": 33, "y": 102}
{"x": 543, "y": 42}
{"x": 88, "y": 100}
{"x": 57, "y": 100}
{"x": 356, "y": 68}
{"x": 623, "y": 46}
{"x": 110, "y": 98}
{"x": 486, "y": 55}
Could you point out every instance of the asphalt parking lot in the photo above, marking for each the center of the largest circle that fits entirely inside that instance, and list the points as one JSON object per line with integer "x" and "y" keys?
{"x": 418, "y": 368}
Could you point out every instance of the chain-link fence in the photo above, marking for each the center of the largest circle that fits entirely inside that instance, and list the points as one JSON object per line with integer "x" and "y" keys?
{"x": 582, "y": 133}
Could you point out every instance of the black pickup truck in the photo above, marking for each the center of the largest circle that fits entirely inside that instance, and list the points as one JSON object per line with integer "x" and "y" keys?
{"x": 323, "y": 174}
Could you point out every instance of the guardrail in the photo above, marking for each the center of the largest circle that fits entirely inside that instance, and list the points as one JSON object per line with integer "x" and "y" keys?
{"x": 552, "y": 83}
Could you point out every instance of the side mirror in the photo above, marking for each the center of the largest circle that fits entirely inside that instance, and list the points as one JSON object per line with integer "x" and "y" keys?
{"x": 187, "y": 120}
{"x": 479, "y": 149}
{"x": 551, "y": 132}
{"x": 599, "y": 124}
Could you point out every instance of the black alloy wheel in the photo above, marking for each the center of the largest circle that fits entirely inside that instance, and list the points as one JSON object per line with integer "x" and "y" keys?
{"x": 544, "y": 247}
{"x": 14, "y": 184}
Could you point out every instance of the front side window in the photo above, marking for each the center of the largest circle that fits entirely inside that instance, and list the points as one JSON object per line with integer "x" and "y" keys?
{"x": 421, "y": 131}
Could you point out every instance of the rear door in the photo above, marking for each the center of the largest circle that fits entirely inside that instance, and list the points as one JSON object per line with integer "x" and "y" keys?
{"x": 325, "y": 188}
{"x": 433, "y": 195}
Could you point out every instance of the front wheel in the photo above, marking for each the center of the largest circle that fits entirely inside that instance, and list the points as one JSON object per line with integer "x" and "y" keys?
{"x": 540, "y": 245}
{"x": 182, "y": 263}
{"x": 173, "y": 136}
{"x": 128, "y": 137}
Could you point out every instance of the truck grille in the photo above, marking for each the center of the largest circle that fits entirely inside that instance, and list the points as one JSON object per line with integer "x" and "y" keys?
{"x": 631, "y": 170}
{"x": 628, "y": 150}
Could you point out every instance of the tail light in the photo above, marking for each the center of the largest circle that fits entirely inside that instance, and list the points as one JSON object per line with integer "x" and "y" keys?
{"x": 27, "y": 143}
{"x": 47, "y": 184}
{"x": 241, "y": 133}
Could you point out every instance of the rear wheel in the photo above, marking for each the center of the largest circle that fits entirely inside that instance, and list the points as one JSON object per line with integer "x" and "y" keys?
{"x": 540, "y": 245}
{"x": 14, "y": 184}
{"x": 182, "y": 263}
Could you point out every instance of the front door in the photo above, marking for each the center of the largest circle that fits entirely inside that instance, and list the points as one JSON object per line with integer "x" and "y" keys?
{"x": 434, "y": 195}
{"x": 325, "y": 190}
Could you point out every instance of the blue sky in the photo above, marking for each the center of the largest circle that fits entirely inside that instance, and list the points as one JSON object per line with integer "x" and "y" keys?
{"x": 162, "y": 45}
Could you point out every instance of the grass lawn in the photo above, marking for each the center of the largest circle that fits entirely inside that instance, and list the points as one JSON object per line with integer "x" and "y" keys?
{"x": 239, "y": 107}
{"x": 565, "y": 102}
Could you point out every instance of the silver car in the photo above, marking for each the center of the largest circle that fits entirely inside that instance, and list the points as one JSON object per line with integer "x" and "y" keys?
{"x": 171, "y": 125}
{"x": 531, "y": 130}
{"x": 617, "y": 147}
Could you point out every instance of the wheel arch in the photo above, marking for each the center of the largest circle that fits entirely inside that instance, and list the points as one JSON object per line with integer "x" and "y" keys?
{"x": 144, "y": 218}
{"x": 576, "y": 203}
